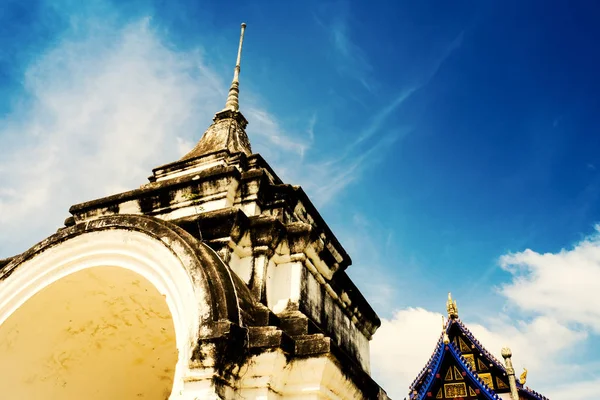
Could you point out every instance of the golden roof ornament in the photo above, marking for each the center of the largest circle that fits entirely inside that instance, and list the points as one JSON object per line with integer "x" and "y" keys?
{"x": 232, "y": 102}
{"x": 451, "y": 307}
{"x": 523, "y": 377}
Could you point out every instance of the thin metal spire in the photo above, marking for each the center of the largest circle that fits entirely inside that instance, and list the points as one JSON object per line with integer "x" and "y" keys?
{"x": 232, "y": 102}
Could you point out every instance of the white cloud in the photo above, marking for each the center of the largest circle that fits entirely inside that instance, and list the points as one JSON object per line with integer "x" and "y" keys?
{"x": 537, "y": 345}
{"x": 402, "y": 346}
{"x": 577, "y": 390}
{"x": 564, "y": 284}
{"x": 555, "y": 295}
{"x": 102, "y": 109}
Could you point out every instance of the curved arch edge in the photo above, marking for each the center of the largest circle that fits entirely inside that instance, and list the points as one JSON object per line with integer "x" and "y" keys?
{"x": 202, "y": 264}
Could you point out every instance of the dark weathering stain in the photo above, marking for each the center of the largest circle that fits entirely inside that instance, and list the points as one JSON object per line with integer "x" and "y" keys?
{"x": 163, "y": 199}
{"x": 113, "y": 208}
{"x": 3, "y": 263}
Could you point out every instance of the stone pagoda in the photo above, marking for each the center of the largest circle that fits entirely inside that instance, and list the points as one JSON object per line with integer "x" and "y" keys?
{"x": 215, "y": 280}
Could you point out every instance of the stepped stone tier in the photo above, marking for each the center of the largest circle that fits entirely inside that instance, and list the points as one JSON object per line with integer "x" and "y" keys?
{"x": 461, "y": 368}
{"x": 215, "y": 280}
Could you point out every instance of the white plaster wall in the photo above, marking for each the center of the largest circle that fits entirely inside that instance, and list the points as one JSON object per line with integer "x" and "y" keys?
{"x": 86, "y": 336}
{"x": 250, "y": 208}
{"x": 130, "y": 207}
{"x": 242, "y": 266}
{"x": 133, "y": 251}
{"x": 212, "y": 203}
{"x": 269, "y": 376}
{"x": 195, "y": 169}
{"x": 283, "y": 283}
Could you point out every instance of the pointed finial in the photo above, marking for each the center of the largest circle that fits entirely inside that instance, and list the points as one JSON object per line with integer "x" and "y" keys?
{"x": 451, "y": 307}
{"x": 232, "y": 102}
{"x": 510, "y": 371}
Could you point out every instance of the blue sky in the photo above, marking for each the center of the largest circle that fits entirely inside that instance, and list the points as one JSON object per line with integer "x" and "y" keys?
{"x": 436, "y": 138}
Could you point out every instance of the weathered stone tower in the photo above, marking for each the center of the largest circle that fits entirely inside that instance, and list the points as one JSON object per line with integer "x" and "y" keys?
{"x": 214, "y": 281}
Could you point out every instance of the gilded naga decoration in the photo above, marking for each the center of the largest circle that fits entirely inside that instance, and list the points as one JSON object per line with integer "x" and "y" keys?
{"x": 523, "y": 377}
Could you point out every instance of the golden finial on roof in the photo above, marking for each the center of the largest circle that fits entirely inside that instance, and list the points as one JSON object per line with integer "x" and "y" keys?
{"x": 523, "y": 377}
{"x": 232, "y": 102}
{"x": 451, "y": 307}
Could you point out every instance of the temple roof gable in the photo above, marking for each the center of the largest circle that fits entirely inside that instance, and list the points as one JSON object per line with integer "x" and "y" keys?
{"x": 461, "y": 367}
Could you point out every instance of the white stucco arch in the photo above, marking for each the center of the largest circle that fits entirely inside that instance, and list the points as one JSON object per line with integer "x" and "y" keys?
{"x": 161, "y": 254}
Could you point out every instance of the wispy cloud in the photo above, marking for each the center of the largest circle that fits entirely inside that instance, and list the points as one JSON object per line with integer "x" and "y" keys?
{"x": 265, "y": 127}
{"x": 100, "y": 113}
{"x": 381, "y": 117}
{"x": 311, "y": 127}
{"x": 342, "y": 42}
{"x": 326, "y": 177}
{"x": 362, "y": 238}
{"x": 432, "y": 71}
{"x": 352, "y": 60}
{"x": 564, "y": 283}
{"x": 359, "y": 154}
{"x": 344, "y": 171}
